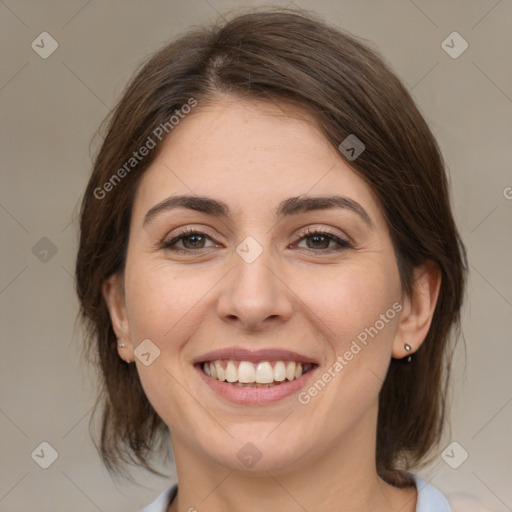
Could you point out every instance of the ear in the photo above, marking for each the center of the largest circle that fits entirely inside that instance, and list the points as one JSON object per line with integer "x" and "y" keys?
{"x": 418, "y": 310}
{"x": 113, "y": 293}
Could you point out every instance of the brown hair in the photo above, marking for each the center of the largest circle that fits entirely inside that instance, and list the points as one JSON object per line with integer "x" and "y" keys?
{"x": 286, "y": 56}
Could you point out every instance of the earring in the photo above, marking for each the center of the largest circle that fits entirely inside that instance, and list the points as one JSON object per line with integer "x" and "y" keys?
{"x": 408, "y": 348}
{"x": 122, "y": 345}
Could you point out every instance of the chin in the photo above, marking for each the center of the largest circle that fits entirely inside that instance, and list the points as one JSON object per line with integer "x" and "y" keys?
{"x": 258, "y": 452}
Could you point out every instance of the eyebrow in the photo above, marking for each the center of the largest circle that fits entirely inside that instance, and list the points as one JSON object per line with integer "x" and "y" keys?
{"x": 288, "y": 207}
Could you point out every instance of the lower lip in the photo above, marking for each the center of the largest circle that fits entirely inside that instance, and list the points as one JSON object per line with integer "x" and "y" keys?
{"x": 256, "y": 396}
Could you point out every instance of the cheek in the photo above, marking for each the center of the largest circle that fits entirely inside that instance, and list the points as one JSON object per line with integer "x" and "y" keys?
{"x": 161, "y": 301}
{"x": 351, "y": 300}
{"x": 165, "y": 306}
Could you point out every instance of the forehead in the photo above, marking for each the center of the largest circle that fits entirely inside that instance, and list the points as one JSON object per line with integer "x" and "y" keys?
{"x": 250, "y": 154}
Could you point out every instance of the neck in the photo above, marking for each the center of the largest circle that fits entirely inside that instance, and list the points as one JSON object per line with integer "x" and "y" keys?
{"x": 341, "y": 477}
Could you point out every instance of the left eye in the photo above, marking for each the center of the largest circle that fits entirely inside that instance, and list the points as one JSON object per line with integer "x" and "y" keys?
{"x": 321, "y": 240}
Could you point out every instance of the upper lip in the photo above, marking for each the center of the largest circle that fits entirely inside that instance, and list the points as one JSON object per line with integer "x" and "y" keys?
{"x": 255, "y": 356}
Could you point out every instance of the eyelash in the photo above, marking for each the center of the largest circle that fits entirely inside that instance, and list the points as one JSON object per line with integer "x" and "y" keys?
{"x": 308, "y": 233}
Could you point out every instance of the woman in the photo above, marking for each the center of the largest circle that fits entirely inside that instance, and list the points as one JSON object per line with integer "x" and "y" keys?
{"x": 270, "y": 272}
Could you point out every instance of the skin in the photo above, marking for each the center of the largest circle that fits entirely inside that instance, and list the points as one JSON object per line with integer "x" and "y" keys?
{"x": 315, "y": 301}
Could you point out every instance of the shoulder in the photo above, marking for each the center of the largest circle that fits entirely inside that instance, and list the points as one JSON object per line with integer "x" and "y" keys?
{"x": 430, "y": 499}
{"x": 161, "y": 504}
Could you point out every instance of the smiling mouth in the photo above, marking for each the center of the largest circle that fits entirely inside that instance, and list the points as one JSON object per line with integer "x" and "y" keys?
{"x": 264, "y": 374}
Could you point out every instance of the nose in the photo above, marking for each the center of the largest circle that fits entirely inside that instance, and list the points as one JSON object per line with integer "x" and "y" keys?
{"x": 254, "y": 295}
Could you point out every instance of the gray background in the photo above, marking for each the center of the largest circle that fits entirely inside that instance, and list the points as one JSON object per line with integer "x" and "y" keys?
{"x": 51, "y": 109}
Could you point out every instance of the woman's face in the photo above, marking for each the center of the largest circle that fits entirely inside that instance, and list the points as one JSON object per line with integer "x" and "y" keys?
{"x": 264, "y": 277}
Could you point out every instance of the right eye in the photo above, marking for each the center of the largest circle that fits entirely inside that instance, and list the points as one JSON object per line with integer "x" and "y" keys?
{"x": 191, "y": 240}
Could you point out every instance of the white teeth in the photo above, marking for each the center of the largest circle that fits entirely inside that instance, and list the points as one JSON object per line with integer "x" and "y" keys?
{"x": 279, "y": 371}
{"x": 290, "y": 371}
{"x": 231, "y": 372}
{"x": 221, "y": 373}
{"x": 246, "y": 372}
{"x": 262, "y": 374}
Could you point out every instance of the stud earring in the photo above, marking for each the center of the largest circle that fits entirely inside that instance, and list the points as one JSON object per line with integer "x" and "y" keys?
{"x": 122, "y": 345}
{"x": 408, "y": 348}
